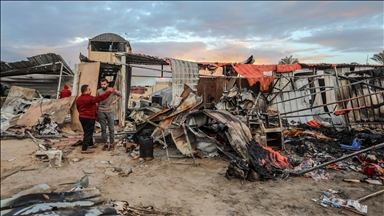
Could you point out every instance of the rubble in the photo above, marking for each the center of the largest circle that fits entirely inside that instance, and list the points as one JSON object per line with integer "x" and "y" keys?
{"x": 279, "y": 128}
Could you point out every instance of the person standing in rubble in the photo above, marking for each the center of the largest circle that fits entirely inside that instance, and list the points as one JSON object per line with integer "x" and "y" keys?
{"x": 106, "y": 112}
{"x": 65, "y": 92}
{"x": 86, "y": 106}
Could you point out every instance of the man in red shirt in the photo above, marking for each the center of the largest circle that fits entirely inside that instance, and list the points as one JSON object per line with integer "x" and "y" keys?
{"x": 86, "y": 106}
{"x": 65, "y": 92}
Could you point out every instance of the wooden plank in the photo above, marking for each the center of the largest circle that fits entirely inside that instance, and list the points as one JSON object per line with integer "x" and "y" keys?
{"x": 231, "y": 83}
{"x": 11, "y": 172}
{"x": 88, "y": 74}
{"x": 56, "y": 109}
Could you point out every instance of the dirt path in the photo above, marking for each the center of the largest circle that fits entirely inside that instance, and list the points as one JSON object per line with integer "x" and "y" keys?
{"x": 180, "y": 188}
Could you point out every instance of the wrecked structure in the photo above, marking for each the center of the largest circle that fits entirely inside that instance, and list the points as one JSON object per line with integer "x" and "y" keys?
{"x": 47, "y": 73}
{"x": 270, "y": 120}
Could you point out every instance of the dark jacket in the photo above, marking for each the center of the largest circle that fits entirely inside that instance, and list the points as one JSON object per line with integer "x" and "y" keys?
{"x": 65, "y": 92}
{"x": 86, "y": 105}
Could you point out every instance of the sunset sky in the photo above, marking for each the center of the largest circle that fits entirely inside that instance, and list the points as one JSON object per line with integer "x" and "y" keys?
{"x": 332, "y": 32}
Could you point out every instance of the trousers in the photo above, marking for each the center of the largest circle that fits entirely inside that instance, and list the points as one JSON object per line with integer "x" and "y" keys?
{"x": 107, "y": 118}
{"x": 88, "y": 128}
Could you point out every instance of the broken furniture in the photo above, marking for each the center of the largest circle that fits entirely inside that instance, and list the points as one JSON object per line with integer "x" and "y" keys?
{"x": 273, "y": 132}
{"x": 54, "y": 156}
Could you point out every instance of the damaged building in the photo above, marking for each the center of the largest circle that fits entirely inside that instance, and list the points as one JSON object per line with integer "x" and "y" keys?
{"x": 260, "y": 100}
{"x": 270, "y": 121}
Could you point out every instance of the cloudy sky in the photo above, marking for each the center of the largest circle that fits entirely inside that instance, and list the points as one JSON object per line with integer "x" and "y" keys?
{"x": 332, "y": 32}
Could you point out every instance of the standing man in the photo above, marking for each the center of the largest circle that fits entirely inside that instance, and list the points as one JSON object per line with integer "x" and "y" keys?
{"x": 106, "y": 114}
{"x": 86, "y": 105}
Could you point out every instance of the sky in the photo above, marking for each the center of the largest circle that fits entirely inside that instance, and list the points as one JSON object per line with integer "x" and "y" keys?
{"x": 202, "y": 31}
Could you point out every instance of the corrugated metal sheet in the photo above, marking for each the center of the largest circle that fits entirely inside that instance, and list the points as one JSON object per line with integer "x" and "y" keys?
{"x": 292, "y": 105}
{"x": 254, "y": 75}
{"x": 144, "y": 59}
{"x": 131, "y": 58}
{"x": 165, "y": 93}
{"x": 183, "y": 72}
{"x": 39, "y": 64}
{"x": 367, "y": 101}
{"x": 331, "y": 65}
{"x": 45, "y": 84}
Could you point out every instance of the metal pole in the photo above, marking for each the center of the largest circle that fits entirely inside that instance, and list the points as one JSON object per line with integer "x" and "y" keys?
{"x": 378, "y": 146}
{"x": 167, "y": 71}
{"x": 189, "y": 144}
{"x": 165, "y": 145}
{"x": 58, "y": 87}
{"x": 349, "y": 99}
{"x": 162, "y": 70}
{"x": 363, "y": 83}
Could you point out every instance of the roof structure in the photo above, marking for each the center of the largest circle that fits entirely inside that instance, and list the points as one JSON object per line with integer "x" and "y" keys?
{"x": 144, "y": 59}
{"x": 108, "y": 37}
{"x": 49, "y": 63}
{"x": 332, "y": 65}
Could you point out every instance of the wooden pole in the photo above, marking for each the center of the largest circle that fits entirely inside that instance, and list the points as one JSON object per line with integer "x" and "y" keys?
{"x": 370, "y": 195}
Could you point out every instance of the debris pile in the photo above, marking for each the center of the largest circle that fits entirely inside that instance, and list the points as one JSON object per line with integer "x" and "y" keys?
{"x": 47, "y": 127}
{"x": 202, "y": 132}
{"x": 337, "y": 199}
{"x": 306, "y": 151}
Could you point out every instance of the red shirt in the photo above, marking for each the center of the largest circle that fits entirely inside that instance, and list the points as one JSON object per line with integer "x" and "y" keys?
{"x": 86, "y": 105}
{"x": 65, "y": 92}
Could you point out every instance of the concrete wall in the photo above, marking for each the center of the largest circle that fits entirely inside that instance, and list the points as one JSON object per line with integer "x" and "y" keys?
{"x": 102, "y": 56}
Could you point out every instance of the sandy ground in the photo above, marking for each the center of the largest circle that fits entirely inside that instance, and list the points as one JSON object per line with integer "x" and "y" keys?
{"x": 180, "y": 188}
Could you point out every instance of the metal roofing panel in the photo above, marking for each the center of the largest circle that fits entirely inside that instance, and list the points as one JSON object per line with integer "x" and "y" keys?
{"x": 32, "y": 65}
{"x": 183, "y": 72}
{"x": 292, "y": 105}
{"x": 144, "y": 59}
{"x": 254, "y": 75}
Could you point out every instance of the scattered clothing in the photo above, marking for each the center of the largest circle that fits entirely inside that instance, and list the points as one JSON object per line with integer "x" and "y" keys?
{"x": 356, "y": 145}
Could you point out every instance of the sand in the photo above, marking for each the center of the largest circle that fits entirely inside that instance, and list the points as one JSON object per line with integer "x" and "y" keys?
{"x": 180, "y": 188}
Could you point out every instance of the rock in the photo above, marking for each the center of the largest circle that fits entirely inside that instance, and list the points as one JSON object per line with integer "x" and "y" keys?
{"x": 117, "y": 169}
{"x": 110, "y": 173}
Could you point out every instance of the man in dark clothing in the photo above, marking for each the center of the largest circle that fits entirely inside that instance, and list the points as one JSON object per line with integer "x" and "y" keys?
{"x": 106, "y": 112}
{"x": 86, "y": 106}
{"x": 65, "y": 92}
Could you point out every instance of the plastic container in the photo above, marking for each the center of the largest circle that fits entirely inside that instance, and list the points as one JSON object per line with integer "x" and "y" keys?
{"x": 146, "y": 147}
